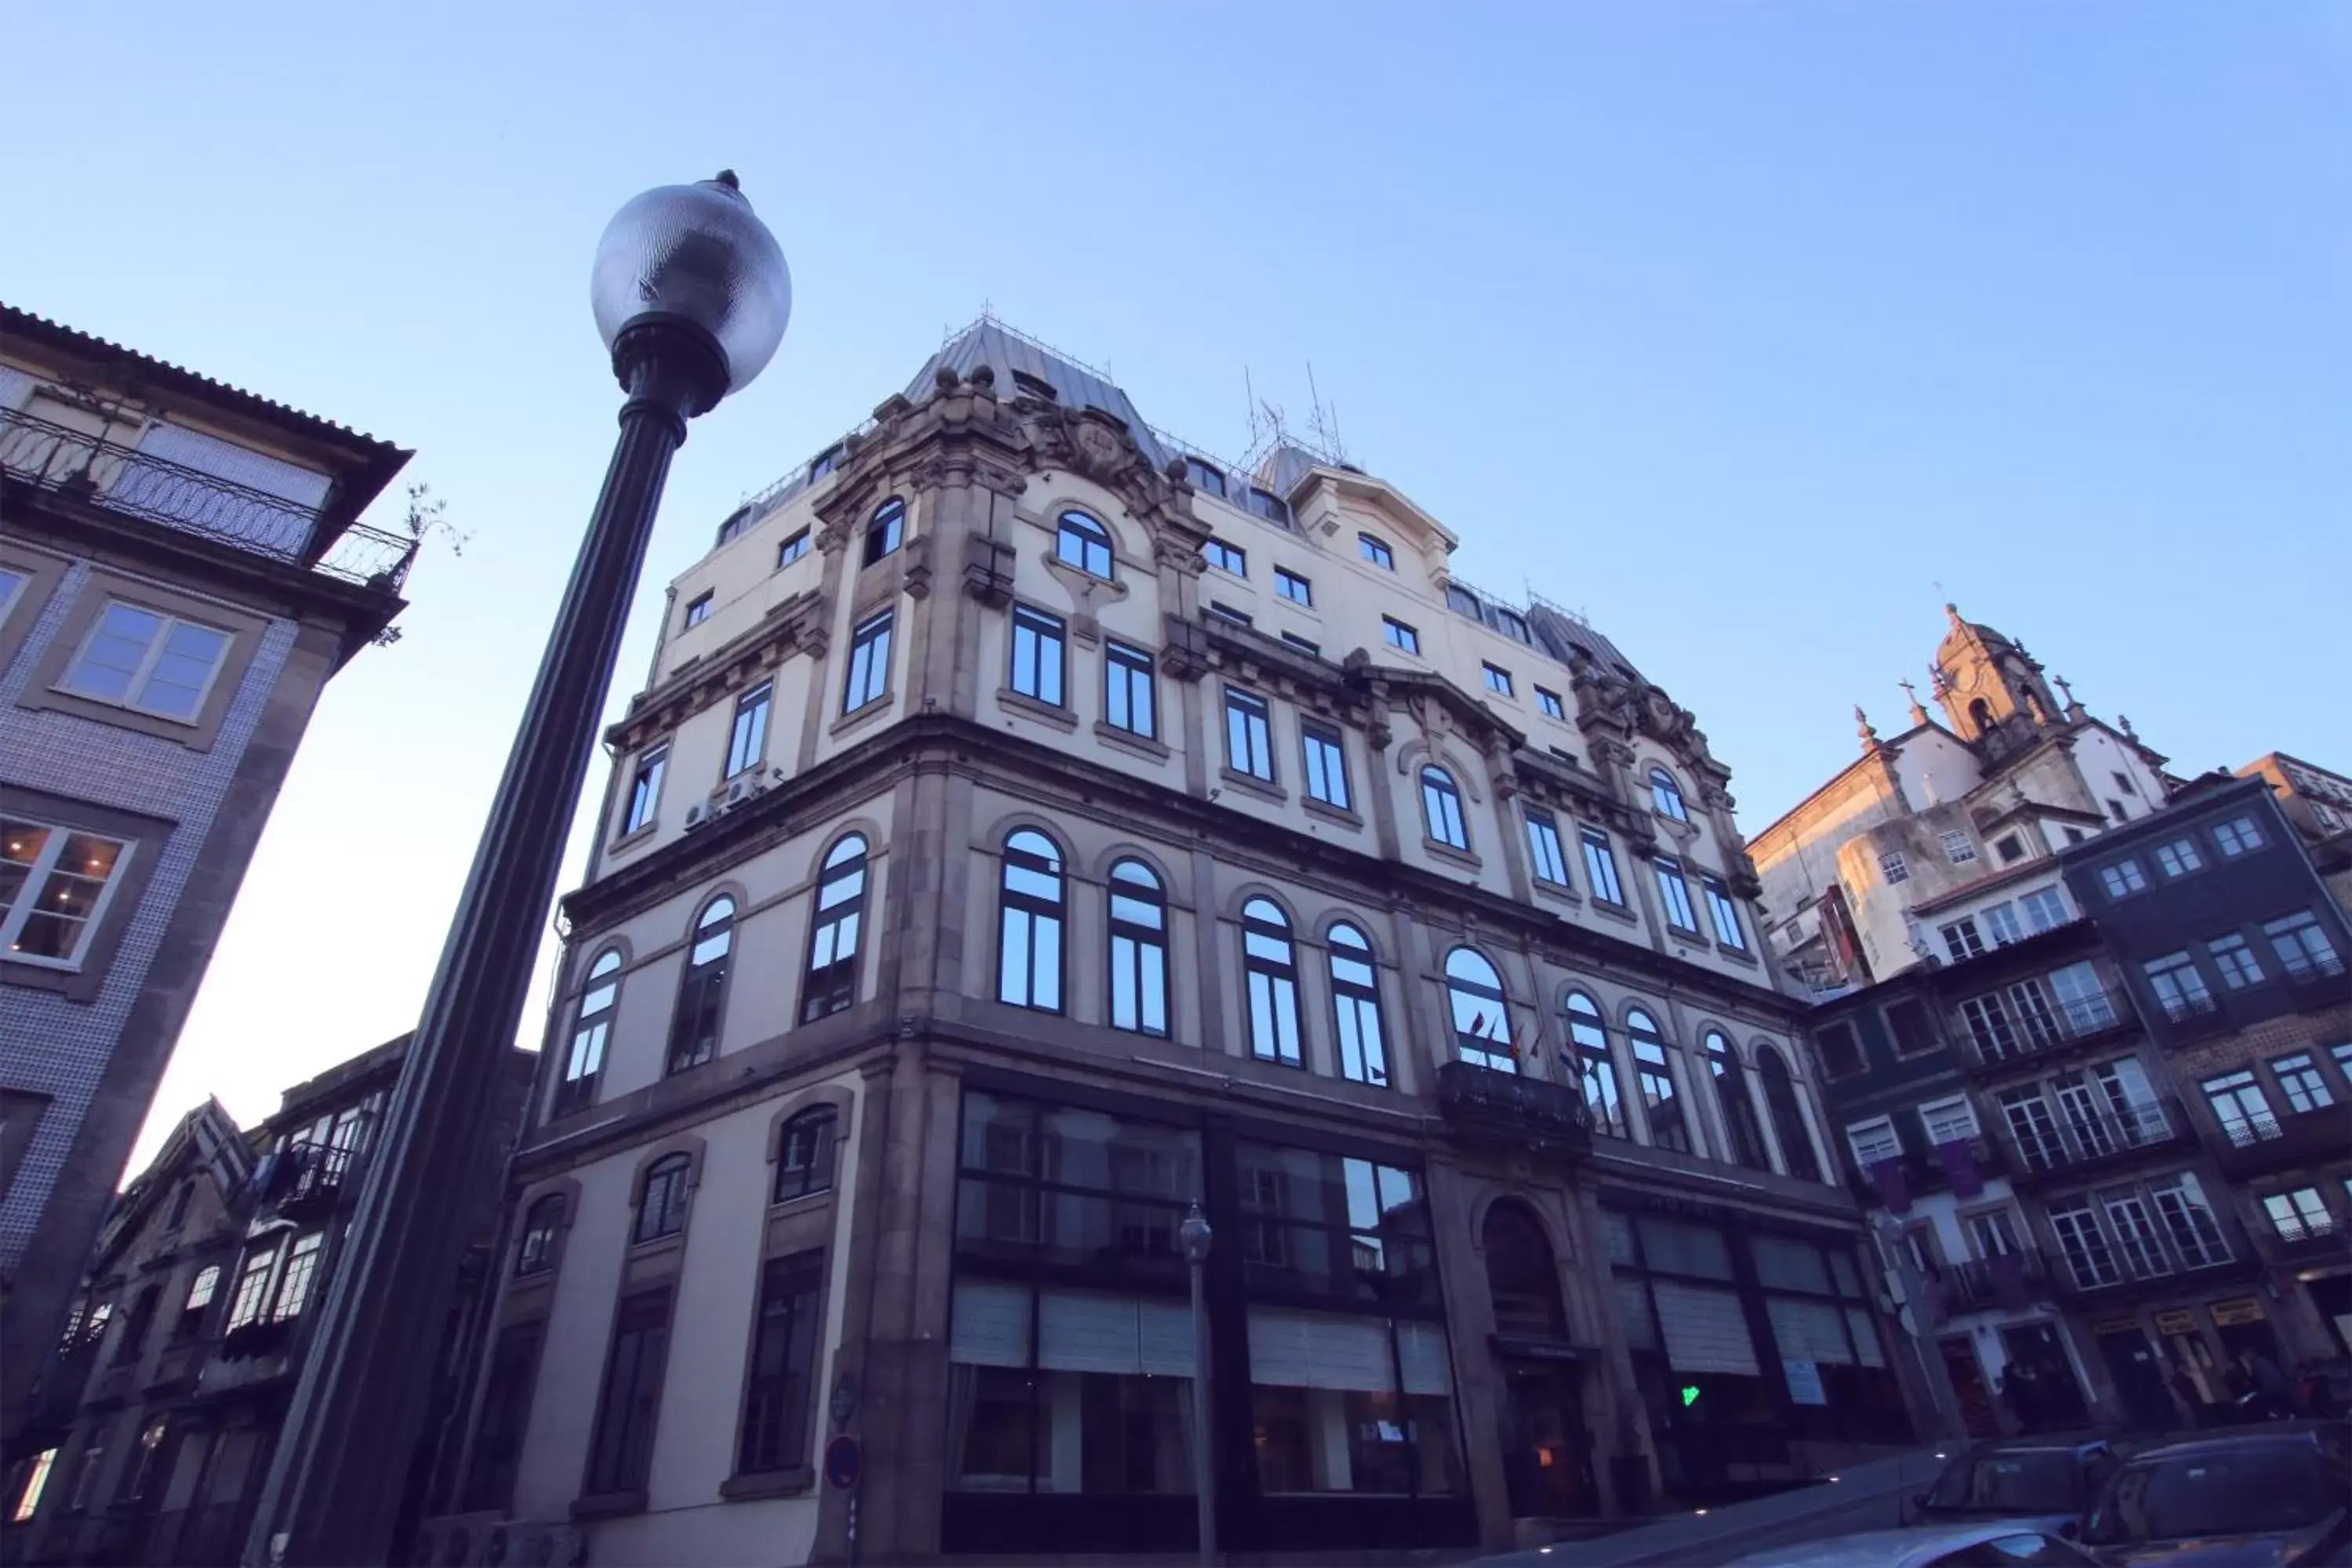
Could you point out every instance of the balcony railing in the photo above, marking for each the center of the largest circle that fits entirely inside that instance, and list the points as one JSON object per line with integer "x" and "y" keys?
{"x": 2012, "y": 1280}
{"x": 123, "y": 479}
{"x": 1514, "y": 1111}
{"x": 2118, "y": 1274}
{"x": 2017, "y": 1032}
{"x": 2252, "y": 1145}
{"x": 2075, "y": 1143}
{"x": 307, "y": 1178}
{"x": 1925, "y": 1171}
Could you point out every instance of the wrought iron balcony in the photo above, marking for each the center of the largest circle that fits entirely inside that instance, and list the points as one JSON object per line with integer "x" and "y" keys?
{"x": 2077, "y": 1145}
{"x": 2008, "y": 1033}
{"x": 1512, "y": 1110}
{"x": 2013, "y": 1279}
{"x": 120, "y": 479}
{"x": 2113, "y": 1276}
{"x": 2255, "y": 1146}
{"x": 306, "y": 1179}
{"x": 1925, "y": 1171}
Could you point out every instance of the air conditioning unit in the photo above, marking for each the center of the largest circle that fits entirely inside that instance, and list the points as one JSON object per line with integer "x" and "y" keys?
{"x": 696, "y": 815}
{"x": 737, "y": 792}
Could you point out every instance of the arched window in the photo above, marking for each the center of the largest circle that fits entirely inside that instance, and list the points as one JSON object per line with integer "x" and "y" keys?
{"x": 1521, "y": 1279}
{"x": 535, "y": 1254}
{"x": 804, "y": 1153}
{"x": 1981, "y": 715}
{"x": 1654, "y": 1075}
{"x": 1588, "y": 1036}
{"x": 887, "y": 530}
{"x": 832, "y": 941}
{"x": 1356, "y": 999}
{"x": 590, "y": 1030}
{"x": 1482, "y": 1023}
{"x": 1740, "y": 1124}
{"x": 1788, "y": 1118}
{"x": 1029, "y": 924}
{"x": 1441, "y": 807}
{"x": 1270, "y": 968}
{"x": 1667, "y": 796}
{"x": 694, "y": 1032}
{"x": 1139, "y": 950}
{"x": 661, "y": 1202}
{"x": 1084, "y": 543}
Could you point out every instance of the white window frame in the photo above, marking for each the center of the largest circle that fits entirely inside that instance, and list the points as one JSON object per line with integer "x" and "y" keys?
{"x": 152, "y": 656}
{"x": 2037, "y": 903}
{"x": 1863, "y": 1137}
{"x": 1957, "y": 847}
{"x": 1892, "y": 867}
{"x": 1957, "y": 1127}
{"x": 13, "y": 918}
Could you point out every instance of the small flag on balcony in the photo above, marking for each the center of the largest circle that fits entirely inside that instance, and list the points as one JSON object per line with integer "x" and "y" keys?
{"x": 1893, "y": 1191}
{"x": 2008, "y": 1271}
{"x": 1960, "y": 1164}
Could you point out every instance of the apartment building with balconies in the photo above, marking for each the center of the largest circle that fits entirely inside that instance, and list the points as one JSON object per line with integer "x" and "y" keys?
{"x": 182, "y": 571}
{"x": 1031, "y": 826}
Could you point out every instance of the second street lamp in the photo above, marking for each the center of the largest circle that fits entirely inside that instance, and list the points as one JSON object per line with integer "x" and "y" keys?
{"x": 1193, "y": 1236}
{"x": 691, "y": 295}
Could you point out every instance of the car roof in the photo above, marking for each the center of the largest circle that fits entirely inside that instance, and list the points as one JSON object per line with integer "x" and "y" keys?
{"x": 2303, "y": 1437}
{"x": 1888, "y": 1548}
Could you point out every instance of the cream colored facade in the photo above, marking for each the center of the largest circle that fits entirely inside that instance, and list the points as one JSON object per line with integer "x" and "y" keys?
{"x": 990, "y": 826}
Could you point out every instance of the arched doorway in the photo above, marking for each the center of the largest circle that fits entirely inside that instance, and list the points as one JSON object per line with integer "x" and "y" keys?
{"x": 1546, "y": 1451}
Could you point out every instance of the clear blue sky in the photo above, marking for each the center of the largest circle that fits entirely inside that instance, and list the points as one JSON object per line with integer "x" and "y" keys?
{"x": 1758, "y": 330}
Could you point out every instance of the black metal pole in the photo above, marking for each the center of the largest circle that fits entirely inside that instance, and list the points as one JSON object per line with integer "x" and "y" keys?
{"x": 344, "y": 1449}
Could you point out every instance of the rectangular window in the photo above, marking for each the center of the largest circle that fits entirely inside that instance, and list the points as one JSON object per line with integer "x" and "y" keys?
{"x": 2299, "y": 1215}
{"x": 54, "y": 885}
{"x": 869, "y": 662}
{"x": 748, "y": 745}
{"x": 2044, "y": 908}
{"x": 1840, "y": 1049}
{"x": 1200, "y": 475}
{"x": 1249, "y": 734}
{"x": 2137, "y": 1247}
{"x": 1378, "y": 553}
{"x": 698, "y": 609}
{"x": 294, "y": 1282}
{"x": 1654, "y": 1074}
{"x": 2001, "y": 923}
{"x": 506, "y": 1415}
{"x": 2124, "y": 783}
{"x": 2178, "y": 858}
{"x": 1546, "y": 858}
{"x": 1226, "y": 557}
{"x": 2179, "y": 987}
{"x": 777, "y": 1402}
{"x": 1290, "y": 585}
{"x": 2236, "y": 961}
{"x": 2299, "y": 1080}
{"x": 2121, "y": 879}
{"x": 1399, "y": 635}
{"x": 37, "y": 1478}
{"x": 1226, "y": 612}
{"x": 1912, "y": 1026}
{"x": 1724, "y": 912}
{"x": 1037, "y": 655}
{"x": 2189, "y": 1220}
{"x": 2241, "y": 1108}
{"x": 2084, "y": 1247}
{"x": 1675, "y": 891}
{"x": 2303, "y": 947}
{"x": 1128, "y": 702}
{"x": 791, "y": 549}
{"x": 1549, "y": 703}
{"x": 252, "y": 1288}
{"x": 1498, "y": 679}
{"x": 1957, "y": 847}
{"x": 1874, "y": 1141}
{"x": 147, "y": 660}
{"x": 1961, "y": 940}
{"x": 1948, "y": 1120}
{"x": 1327, "y": 764}
{"x": 1890, "y": 867}
{"x": 2010, "y": 847}
{"x": 621, "y": 1448}
{"x": 1307, "y": 646}
{"x": 1601, "y": 866}
{"x": 645, "y": 788}
{"x": 2237, "y": 836}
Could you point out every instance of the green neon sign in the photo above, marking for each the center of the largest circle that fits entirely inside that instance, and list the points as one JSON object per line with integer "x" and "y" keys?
{"x": 1690, "y": 1395}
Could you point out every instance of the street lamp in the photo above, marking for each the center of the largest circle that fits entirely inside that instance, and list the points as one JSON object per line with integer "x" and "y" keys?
{"x": 691, "y": 295}
{"x": 1193, "y": 1236}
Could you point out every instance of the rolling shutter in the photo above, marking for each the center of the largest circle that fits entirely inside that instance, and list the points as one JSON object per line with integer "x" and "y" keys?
{"x": 1421, "y": 1351}
{"x": 1866, "y": 1336}
{"x": 1703, "y": 1329}
{"x": 1633, "y": 1306}
{"x": 1310, "y": 1350}
{"x": 991, "y": 1325}
{"x": 1808, "y": 1330}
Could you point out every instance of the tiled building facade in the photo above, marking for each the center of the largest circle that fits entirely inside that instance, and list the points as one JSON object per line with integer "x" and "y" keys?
{"x": 181, "y": 574}
{"x": 1032, "y": 828}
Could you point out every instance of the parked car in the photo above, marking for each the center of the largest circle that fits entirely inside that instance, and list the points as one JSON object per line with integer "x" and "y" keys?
{"x": 2277, "y": 1496}
{"x": 2047, "y": 1483}
{"x": 2000, "y": 1543}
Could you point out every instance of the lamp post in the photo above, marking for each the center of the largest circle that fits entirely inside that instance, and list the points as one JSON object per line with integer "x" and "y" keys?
{"x": 691, "y": 295}
{"x": 1193, "y": 1236}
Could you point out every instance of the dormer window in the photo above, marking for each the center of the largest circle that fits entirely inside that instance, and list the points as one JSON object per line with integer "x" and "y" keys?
{"x": 1034, "y": 386}
{"x": 1514, "y": 624}
{"x": 1084, "y": 543}
{"x": 1269, "y": 506}
{"x": 1376, "y": 551}
{"x": 735, "y": 525}
{"x": 1462, "y": 602}
{"x": 1201, "y": 477}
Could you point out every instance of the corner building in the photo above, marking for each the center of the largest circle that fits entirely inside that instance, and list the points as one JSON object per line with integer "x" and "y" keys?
{"x": 1032, "y": 827}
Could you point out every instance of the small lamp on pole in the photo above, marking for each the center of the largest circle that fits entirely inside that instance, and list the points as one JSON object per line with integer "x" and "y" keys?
{"x": 690, "y": 295}
{"x": 1194, "y": 1236}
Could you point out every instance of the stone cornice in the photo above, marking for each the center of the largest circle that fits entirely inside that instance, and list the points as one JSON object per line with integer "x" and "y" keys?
{"x": 800, "y": 625}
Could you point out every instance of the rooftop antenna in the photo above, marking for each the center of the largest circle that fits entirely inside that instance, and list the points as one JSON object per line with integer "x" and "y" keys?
{"x": 1324, "y": 421}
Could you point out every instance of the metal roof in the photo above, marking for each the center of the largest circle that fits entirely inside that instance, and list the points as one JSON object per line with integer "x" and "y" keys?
{"x": 991, "y": 342}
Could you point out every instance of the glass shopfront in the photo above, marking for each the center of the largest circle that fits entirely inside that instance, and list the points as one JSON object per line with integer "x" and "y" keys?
{"x": 1070, "y": 1410}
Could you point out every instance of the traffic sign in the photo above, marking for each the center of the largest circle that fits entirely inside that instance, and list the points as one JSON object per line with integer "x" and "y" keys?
{"x": 844, "y": 1461}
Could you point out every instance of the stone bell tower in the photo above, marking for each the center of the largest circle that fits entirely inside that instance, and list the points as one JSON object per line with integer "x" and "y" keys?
{"x": 1992, "y": 690}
